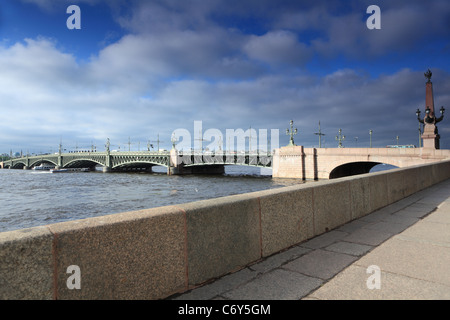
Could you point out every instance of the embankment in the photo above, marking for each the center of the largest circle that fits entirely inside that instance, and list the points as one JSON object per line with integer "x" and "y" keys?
{"x": 154, "y": 253}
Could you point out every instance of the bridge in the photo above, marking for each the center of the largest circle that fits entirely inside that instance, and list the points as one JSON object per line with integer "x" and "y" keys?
{"x": 329, "y": 163}
{"x": 175, "y": 162}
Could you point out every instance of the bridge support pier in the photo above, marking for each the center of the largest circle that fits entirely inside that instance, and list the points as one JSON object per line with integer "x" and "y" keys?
{"x": 295, "y": 162}
{"x": 288, "y": 162}
{"x": 208, "y": 169}
{"x": 175, "y": 165}
{"x": 178, "y": 168}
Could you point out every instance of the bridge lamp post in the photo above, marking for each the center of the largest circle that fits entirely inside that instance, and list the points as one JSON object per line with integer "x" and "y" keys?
{"x": 370, "y": 135}
{"x": 320, "y": 134}
{"x": 420, "y": 135}
{"x": 340, "y": 138}
{"x": 291, "y": 133}
{"x": 174, "y": 140}
{"x": 420, "y": 131}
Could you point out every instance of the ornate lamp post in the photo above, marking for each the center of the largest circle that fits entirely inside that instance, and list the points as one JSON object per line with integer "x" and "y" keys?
{"x": 174, "y": 140}
{"x": 340, "y": 138}
{"x": 107, "y": 146}
{"x": 430, "y": 134}
{"x": 420, "y": 135}
{"x": 291, "y": 133}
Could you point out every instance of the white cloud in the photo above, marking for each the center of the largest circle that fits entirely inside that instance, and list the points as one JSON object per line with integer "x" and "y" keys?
{"x": 277, "y": 47}
{"x": 47, "y": 94}
{"x": 169, "y": 71}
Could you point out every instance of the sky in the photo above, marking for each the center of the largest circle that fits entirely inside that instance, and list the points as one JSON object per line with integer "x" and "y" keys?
{"x": 138, "y": 70}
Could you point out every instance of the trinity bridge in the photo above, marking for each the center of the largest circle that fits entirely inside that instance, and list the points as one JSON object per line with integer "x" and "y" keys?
{"x": 175, "y": 162}
{"x": 291, "y": 161}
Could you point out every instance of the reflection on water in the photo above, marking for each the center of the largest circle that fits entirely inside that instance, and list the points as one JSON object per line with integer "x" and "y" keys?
{"x": 31, "y": 198}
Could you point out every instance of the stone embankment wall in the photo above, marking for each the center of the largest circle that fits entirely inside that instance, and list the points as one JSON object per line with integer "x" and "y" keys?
{"x": 154, "y": 253}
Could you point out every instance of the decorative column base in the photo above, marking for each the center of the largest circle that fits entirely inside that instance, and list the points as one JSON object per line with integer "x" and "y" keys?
{"x": 430, "y": 137}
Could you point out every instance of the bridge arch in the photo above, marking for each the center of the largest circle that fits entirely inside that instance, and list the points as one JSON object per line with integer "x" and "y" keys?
{"x": 344, "y": 169}
{"x": 38, "y": 162}
{"x": 19, "y": 165}
{"x": 352, "y": 168}
{"x": 82, "y": 163}
{"x": 137, "y": 164}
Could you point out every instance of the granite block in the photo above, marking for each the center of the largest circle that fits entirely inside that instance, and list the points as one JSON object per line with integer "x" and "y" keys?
{"x": 286, "y": 219}
{"x": 223, "y": 235}
{"x": 26, "y": 264}
{"x": 332, "y": 206}
{"x": 132, "y": 255}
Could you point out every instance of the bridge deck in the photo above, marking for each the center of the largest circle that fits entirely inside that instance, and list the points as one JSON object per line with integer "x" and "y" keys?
{"x": 286, "y": 162}
{"x": 117, "y": 160}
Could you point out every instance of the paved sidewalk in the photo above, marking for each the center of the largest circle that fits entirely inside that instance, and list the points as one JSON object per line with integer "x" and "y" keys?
{"x": 408, "y": 242}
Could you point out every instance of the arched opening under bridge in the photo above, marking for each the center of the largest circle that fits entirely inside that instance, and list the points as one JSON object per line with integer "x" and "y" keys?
{"x": 355, "y": 168}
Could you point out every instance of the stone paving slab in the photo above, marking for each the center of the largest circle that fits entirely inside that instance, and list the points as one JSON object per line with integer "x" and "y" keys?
{"x": 325, "y": 239}
{"x": 218, "y": 287}
{"x": 320, "y": 263}
{"x": 351, "y": 284}
{"x": 353, "y": 225}
{"x": 411, "y": 213}
{"x": 279, "y": 284}
{"x": 350, "y": 248}
{"x": 390, "y": 227}
{"x": 430, "y": 232}
{"x": 368, "y": 236}
{"x": 414, "y": 259}
{"x": 278, "y": 260}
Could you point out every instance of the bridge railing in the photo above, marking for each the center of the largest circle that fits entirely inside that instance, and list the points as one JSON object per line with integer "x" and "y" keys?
{"x": 263, "y": 159}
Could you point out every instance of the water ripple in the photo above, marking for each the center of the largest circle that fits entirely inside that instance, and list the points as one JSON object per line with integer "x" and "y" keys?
{"x": 30, "y": 198}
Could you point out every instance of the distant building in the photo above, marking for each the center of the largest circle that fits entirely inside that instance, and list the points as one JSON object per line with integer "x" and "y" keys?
{"x": 401, "y": 146}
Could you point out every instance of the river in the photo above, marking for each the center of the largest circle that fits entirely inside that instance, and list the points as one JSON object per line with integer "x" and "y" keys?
{"x": 31, "y": 198}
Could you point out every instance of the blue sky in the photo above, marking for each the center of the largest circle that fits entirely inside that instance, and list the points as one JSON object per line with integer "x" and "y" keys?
{"x": 139, "y": 69}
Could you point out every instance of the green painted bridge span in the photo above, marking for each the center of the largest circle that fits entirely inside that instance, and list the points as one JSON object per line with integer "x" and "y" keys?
{"x": 142, "y": 160}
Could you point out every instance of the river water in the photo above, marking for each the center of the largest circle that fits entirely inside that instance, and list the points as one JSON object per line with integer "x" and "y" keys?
{"x": 31, "y": 198}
